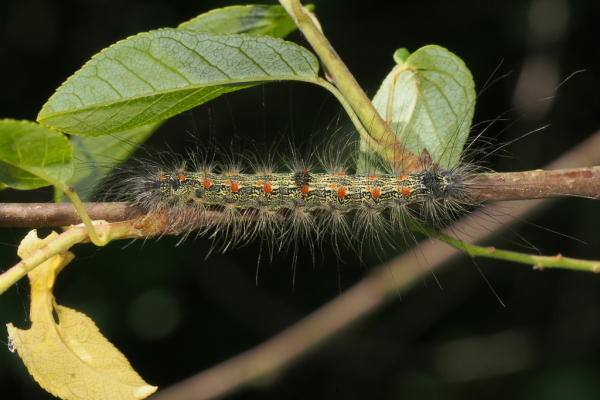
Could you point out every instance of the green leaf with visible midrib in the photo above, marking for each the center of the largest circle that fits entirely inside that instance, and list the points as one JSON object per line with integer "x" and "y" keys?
{"x": 153, "y": 76}
{"x": 252, "y": 20}
{"x": 94, "y": 154}
{"x": 32, "y": 156}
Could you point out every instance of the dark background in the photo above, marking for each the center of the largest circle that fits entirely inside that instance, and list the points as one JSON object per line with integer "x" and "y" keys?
{"x": 174, "y": 313}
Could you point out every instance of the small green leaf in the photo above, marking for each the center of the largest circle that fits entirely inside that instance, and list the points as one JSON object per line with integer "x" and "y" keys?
{"x": 153, "y": 76}
{"x": 32, "y": 156}
{"x": 94, "y": 157}
{"x": 259, "y": 20}
{"x": 401, "y": 55}
{"x": 429, "y": 98}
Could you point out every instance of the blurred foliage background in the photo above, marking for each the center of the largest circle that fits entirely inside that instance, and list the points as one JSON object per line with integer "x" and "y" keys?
{"x": 174, "y": 311}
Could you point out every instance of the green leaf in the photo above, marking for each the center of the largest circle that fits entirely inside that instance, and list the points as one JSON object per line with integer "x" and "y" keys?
{"x": 94, "y": 157}
{"x": 429, "y": 98}
{"x": 153, "y": 76}
{"x": 401, "y": 55}
{"x": 32, "y": 156}
{"x": 259, "y": 20}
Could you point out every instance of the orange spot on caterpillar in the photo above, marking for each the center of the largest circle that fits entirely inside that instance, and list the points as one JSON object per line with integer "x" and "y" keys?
{"x": 304, "y": 171}
{"x": 235, "y": 172}
{"x": 373, "y": 177}
{"x": 138, "y": 225}
{"x": 341, "y": 192}
{"x": 181, "y": 177}
{"x": 206, "y": 183}
{"x": 405, "y": 191}
{"x": 234, "y": 187}
{"x": 403, "y": 176}
{"x": 267, "y": 188}
{"x": 368, "y": 188}
{"x": 341, "y": 174}
{"x": 333, "y": 186}
{"x": 259, "y": 183}
{"x": 161, "y": 176}
{"x": 207, "y": 171}
{"x": 268, "y": 172}
{"x": 376, "y": 193}
{"x": 304, "y": 189}
{"x": 228, "y": 182}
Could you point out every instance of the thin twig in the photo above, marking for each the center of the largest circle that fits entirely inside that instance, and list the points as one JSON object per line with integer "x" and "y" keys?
{"x": 578, "y": 182}
{"x": 537, "y": 184}
{"x": 41, "y": 215}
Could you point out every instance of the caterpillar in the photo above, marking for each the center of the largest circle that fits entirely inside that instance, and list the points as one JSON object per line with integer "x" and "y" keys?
{"x": 303, "y": 203}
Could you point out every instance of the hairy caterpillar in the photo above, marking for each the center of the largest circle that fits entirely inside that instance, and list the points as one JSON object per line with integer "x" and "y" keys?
{"x": 301, "y": 203}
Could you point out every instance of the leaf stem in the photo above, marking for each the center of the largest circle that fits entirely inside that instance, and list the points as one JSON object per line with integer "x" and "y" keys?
{"x": 539, "y": 262}
{"x": 72, "y": 195}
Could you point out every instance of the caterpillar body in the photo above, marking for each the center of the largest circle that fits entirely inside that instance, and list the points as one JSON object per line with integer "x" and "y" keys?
{"x": 304, "y": 204}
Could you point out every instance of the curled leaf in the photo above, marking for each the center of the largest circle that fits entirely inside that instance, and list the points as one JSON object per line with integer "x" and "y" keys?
{"x": 429, "y": 98}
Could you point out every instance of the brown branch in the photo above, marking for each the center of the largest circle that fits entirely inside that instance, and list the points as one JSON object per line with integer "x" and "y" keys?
{"x": 538, "y": 184}
{"x": 580, "y": 182}
{"x": 40, "y": 215}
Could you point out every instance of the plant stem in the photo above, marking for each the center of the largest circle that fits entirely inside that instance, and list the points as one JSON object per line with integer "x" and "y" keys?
{"x": 537, "y": 184}
{"x": 382, "y": 139}
{"x": 70, "y": 193}
{"x": 64, "y": 241}
{"x": 540, "y": 262}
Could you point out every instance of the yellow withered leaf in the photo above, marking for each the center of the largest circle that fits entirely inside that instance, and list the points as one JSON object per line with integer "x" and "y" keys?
{"x": 70, "y": 359}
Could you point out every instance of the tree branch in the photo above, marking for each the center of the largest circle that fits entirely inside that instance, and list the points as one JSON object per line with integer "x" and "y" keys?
{"x": 537, "y": 184}
{"x": 41, "y": 215}
{"x": 578, "y": 182}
